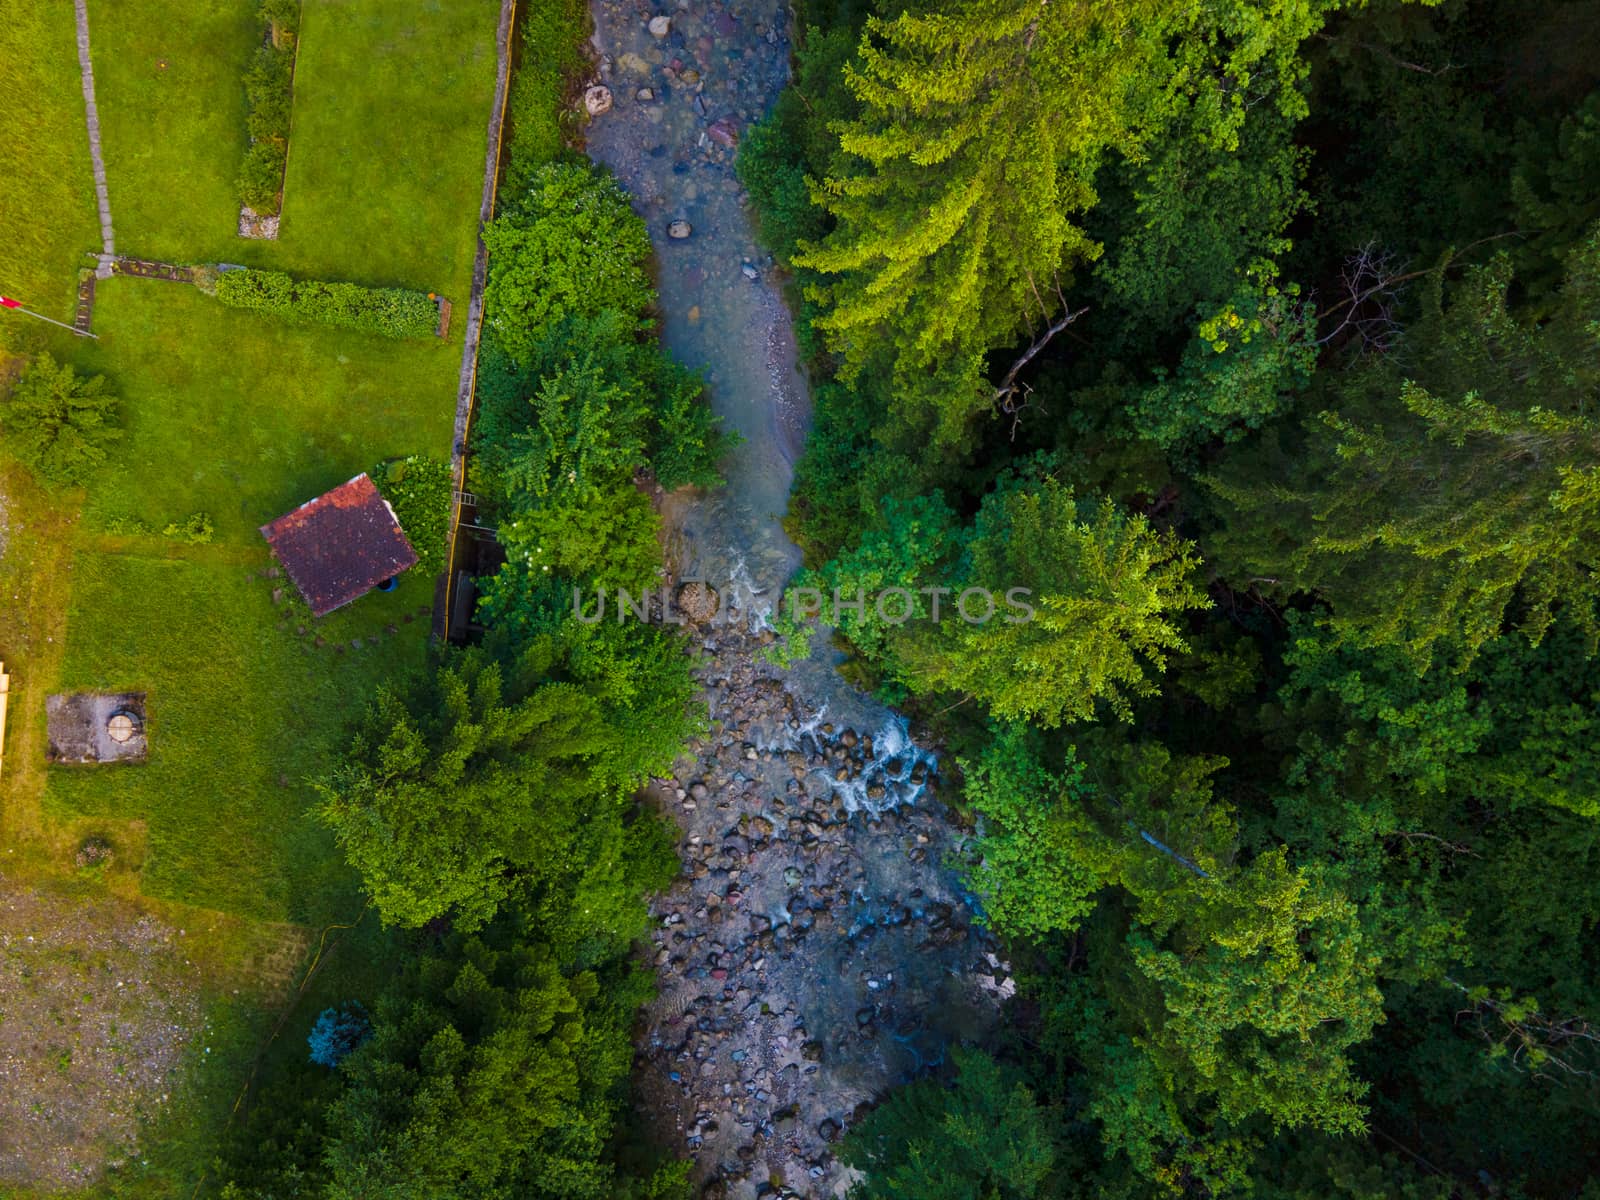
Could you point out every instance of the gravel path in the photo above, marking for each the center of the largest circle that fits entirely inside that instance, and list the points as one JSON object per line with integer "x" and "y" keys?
{"x": 108, "y": 242}
{"x": 99, "y": 1004}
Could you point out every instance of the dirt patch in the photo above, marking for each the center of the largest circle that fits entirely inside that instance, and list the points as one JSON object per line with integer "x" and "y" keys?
{"x": 97, "y": 1004}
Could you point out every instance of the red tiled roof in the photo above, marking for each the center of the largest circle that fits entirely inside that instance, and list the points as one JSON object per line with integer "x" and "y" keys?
{"x": 340, "y": 545}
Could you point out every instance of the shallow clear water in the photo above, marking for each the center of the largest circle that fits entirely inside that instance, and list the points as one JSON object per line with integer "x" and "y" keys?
{"x": 819, "y": 947}
{"x": 716, "y": 72}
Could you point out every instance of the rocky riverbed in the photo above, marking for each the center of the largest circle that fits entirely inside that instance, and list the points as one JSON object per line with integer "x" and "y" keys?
{"x": 817, "y": 949}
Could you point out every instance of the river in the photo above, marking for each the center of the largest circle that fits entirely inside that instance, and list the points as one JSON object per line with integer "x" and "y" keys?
{"x": 818, "y": 948}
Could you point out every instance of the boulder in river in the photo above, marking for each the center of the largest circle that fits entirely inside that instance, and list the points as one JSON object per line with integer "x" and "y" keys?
{"x": 660, "y": 26}
{"x": 698, "y": 601}
{"x": 597, "y": 100}
{"x": 679, "y": 229}
{"x": 724, "y": 132}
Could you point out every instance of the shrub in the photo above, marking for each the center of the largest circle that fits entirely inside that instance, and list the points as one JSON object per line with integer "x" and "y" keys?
{"x": 418, "y": 489}
{"x": 269, "y": 99}
{"x": 124, "y": 525}
{"x": 195, "y": 531}
{"x": 58, "y": 424}
{"x": 570, "y": 246}
{"x": 337, "y": 1032}
{"x": 261, "y": 176}
{"x": 267, "y": 86}
{"x": 391, "y": 312}
{"x": 552, "y": 58}
{"x": 687, "y": 438}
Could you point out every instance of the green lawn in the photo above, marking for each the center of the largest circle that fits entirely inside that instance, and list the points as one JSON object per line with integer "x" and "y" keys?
{"x": 244, "y": 416}
{"x": 169, "y": 84}
{"x": 241, "y": 714}
{"x": 44, "y": 167}
{"x": 391, "y": 107}
{"x": 391, "y": 104}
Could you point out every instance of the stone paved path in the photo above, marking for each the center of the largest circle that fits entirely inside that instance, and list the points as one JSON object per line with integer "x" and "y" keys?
{"x": 108, "y": 243}
{"x": 84, "y": 314}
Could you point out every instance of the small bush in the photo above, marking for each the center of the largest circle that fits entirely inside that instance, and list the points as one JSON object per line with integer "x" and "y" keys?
{"x": 195, "y": 531}
{"x": 391, "y": 312}
{"x": 418, "y": 489}
{"x": 59, "y": 424}
{"x": 552, "y": 60}
{"x": 337, "y": 1032}
{"x": 267, "y": 87}
{"x": 687, "y": 439}
{"x": 261, "y": 176}
{"x": 124, "y": 525}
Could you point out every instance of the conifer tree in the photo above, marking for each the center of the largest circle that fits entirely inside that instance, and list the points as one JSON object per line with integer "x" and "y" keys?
{"x": 1106, "y": 590}
{"x": 58, "y": 423}
{"x": 957, "y": 187}
{"x": 1423, "y": 521}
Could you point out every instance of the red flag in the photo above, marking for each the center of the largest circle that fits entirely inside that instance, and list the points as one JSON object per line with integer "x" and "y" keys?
{"x": 8, "y": 302}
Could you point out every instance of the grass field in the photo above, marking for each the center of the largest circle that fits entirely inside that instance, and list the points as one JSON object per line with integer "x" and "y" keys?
{"x": 243, "y": 416}
{"x": 44, "y": 167}
{"x": 168, "y": 82}
{"x": 391, "y": 107}
{"x": 240, "y": 416}
{"x": 240, "y": 713}
{"x": 391, "y": 102}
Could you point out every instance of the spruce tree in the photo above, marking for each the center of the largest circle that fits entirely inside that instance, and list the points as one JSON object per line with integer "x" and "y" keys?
{"x": 958, "y": 188}
{"x": 1453, "y": 485}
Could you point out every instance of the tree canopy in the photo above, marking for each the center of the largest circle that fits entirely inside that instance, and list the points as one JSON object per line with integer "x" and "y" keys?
{"x": 58, "y": 424}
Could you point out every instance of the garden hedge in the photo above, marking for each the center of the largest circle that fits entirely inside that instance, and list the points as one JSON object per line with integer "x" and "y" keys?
{"x": 269, "y": 96}
{"x": 391, "y": 312}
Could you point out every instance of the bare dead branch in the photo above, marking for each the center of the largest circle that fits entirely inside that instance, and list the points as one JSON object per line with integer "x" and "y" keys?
{"x": 1528, "y": 1039}
{"x": 1007, "y": 390}
{"x": 1389, "y": 56}
{"x": 1415, "y": 835}
{"x": 1380, "y": 280}
{"x": 1371, "y": 280}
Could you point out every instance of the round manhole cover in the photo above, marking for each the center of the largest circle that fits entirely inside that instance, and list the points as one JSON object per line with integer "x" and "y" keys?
{"x": 121, "y": 727}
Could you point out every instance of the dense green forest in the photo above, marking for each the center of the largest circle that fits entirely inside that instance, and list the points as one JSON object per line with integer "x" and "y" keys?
{"x": 1262, "y": 343}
